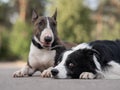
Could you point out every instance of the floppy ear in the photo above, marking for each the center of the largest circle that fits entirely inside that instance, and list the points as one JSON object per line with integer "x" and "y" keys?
{"x": 91, "y": 52}
{"x": 34, "y": 15}
{"x": 55, "y": 15}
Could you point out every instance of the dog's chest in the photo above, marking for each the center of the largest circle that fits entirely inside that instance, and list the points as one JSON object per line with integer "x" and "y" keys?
{"x": 41, "y": 58}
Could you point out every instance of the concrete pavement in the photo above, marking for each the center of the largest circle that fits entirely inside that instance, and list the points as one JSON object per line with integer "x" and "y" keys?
{"x": 7, "y": 82}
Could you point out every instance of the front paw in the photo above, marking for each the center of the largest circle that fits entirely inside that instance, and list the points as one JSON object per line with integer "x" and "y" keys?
{"x": 19, "y": 73}
{"x": 87, "y": 75}
{"x": 22, "y": 72}
{"x": 46, "y": 73}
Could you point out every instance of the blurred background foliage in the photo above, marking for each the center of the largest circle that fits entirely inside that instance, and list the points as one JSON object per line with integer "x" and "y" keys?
{"x": 78, "y": 21}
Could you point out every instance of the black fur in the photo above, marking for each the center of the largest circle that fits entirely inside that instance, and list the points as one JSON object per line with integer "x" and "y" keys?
{"x": 59, "y": 50}
{"x": 81, "y": 60}
{"x": 109, "y": 50}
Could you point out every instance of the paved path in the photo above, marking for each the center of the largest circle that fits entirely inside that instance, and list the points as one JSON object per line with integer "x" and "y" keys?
{"x": 7, "y": 82}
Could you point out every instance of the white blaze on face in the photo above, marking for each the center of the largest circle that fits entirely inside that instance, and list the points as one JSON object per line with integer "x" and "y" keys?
{"x": 47, "y": 32}
{"x": 61, "y": 66}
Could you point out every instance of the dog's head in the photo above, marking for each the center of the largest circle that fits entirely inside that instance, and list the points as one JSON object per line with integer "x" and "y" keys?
{"x": 44, "y": 29}
{"x": 74, "y": 62}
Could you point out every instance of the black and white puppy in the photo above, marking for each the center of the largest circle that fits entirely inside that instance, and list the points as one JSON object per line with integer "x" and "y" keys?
{"x": 45, "y": 47}
{"x": 97, "y": 59}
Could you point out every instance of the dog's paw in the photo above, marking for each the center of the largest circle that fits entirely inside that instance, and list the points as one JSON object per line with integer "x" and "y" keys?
{"x": 22, "y": 72}
{"x": 87, "y": 75}
{"x": 46, "y": 73}
{"x": 19, "y": 73}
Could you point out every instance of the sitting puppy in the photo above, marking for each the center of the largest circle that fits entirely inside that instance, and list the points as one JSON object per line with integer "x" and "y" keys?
{"x": 97, "y": 59}
{"x": 45, "y": 47}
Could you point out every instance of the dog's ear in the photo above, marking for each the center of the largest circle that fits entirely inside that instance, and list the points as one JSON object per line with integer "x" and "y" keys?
{"x": 55, "y": 15}
{"x": 34, "y": 15}
{"x": 90, "y": 52}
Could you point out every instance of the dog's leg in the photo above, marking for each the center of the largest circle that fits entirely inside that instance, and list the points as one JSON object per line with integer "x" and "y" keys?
{"x": 47, "y": 72}
{"x": 25, "y": 71}
{"x": 87, "y": 75}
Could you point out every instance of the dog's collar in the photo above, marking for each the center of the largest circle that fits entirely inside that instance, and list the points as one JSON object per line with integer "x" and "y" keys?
{"x": 36, "y": 44}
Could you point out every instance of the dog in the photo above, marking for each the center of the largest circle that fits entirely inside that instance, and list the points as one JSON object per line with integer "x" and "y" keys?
{"x": 45, "y": 47}
{"x": 98, "y": 59}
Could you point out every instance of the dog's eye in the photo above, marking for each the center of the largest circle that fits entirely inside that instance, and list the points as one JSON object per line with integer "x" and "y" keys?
{"x": 71, "y": 65}
{"x": 40, "y": 23}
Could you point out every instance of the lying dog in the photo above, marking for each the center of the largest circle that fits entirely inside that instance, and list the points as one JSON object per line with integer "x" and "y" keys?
{"x": 97, "y": 59}
{"x": 45, "y": 47}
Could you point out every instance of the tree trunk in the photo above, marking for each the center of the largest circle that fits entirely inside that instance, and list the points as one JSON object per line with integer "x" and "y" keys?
{"x": 99, "y": 23}
{"x": 22, "y": 9}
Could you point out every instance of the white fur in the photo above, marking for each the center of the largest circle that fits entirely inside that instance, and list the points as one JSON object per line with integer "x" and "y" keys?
{"x": 26, "y": 70}
{"x": 112, "y": 72}
{"x": 48, "y": 24}
{"x": 47, "y": 72}
{"x": 96, "y": 63}
{"x": 82, "y": 46}
{"x": 41, "y": 58}
{"x": 87, "y": 75}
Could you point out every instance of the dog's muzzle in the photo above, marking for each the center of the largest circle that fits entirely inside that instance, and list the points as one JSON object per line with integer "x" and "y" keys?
{"x": 48, "y": 39}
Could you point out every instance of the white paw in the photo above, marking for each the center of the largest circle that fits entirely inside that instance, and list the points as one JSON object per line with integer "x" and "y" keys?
{"x": 47, "y": 73}
{"x": 19, "y": 73}
{"x": 87, "y": 75}
{"x": 22, "y": 72}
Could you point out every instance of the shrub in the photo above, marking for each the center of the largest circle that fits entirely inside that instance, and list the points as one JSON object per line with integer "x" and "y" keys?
{"x": 4, "y": 43}
{"x": 20, "y": 39}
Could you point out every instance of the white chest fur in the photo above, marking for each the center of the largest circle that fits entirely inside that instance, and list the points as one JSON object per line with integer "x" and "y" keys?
{"x": 112, "y": 72}
{"x": 41, "y": 58}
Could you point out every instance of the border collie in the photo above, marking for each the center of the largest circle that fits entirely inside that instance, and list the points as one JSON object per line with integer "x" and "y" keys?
{"x": 45, "y": 47}
{"x": 97, "y": 59}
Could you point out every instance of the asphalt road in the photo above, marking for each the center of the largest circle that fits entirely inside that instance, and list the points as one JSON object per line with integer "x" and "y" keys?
{"x": 7, "y": 82}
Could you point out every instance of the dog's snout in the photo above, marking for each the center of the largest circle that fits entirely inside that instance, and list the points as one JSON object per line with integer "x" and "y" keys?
{"x": 54, "y": 72}
{"x": 48, "y": 39}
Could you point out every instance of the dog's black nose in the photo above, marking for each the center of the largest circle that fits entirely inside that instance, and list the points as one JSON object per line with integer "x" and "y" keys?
{"x": 48, "y": 39}
{"x": 54, "y": 72}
